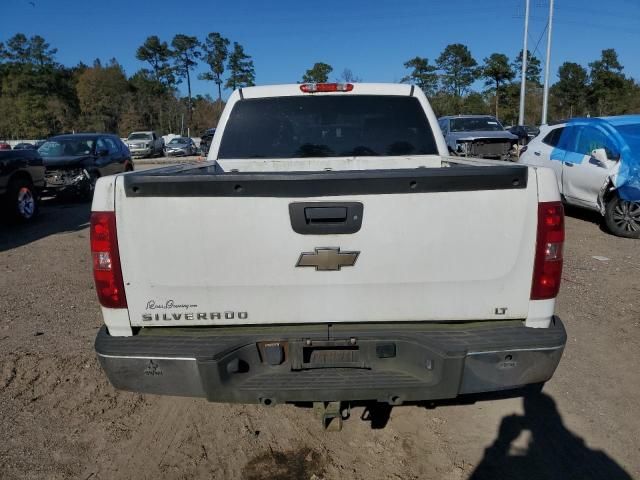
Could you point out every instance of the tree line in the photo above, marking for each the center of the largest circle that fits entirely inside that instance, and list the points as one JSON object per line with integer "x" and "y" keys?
{"x": 40, "y": 97}
{"x": 599, "y": 89}
{"x": 450, "y": 82}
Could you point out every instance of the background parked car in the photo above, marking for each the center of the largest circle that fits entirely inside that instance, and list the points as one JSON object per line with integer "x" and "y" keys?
{"x": 5, "y": 146}
{"x": 75, "y": 162}
{"x": 24, "y": 146}
{"x": 145, "y": 144}
{"x": 21, "y": 180}
{"x": 205, "y": 140}
{"x": 477, "y": 136}
{"x": 597, "y": 166}
{"x": 181, "y": 146}
{"x": 525, "y": 133}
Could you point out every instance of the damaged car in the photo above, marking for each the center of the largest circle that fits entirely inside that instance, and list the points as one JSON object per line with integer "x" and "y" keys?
{"x": 181, "y": 147}
{"x": 480, "y": 136}
{"x": 597, "y": 166}
{"x": 74, "y": 162}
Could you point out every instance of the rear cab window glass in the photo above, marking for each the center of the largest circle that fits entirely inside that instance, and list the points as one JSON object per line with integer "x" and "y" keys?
{"x": 327, "y": 126}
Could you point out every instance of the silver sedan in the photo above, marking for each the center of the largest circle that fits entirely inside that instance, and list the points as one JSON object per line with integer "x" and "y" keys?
{"x": 181, "y": 146}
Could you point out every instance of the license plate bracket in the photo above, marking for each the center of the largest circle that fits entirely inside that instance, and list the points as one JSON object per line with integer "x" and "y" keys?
{"x": 327, "y": 354}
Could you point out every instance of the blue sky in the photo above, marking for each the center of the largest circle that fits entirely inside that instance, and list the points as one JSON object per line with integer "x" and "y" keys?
{"x": 371, "y": 37}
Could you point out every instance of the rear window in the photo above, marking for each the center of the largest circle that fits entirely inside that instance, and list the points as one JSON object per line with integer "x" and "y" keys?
{"x": 140, "y": 136}
{"x": 476, "y": 124}
{"x": 327, "y": 126}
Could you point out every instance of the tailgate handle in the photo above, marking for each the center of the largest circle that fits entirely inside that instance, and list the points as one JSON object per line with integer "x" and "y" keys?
{"x": 325, "y": 218}
{"x": 325, "y": 214}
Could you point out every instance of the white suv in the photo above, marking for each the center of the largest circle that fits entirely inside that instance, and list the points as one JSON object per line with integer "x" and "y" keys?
{"x": 597, "y": 166}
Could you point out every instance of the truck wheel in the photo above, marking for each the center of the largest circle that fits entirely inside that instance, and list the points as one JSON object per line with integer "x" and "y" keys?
{"x": 622, "y": 217}
{"x": 22, "y": 200}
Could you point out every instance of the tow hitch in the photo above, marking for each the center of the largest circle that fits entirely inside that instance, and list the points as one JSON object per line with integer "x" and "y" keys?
{"x": 331, "y": 414}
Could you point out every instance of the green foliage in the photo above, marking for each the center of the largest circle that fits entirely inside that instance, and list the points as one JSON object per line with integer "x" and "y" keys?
{"x": 570, "y": 92}
{"x": 36, "y": 95}
{"x": 422, "y": 75}
{"x": 34, "y": 50}
{"x": 459, "y": 69}
{"x": 157, "y": 54}
{"x": 186, "y": 52}
{"x": 609, "y": 85}
{"x": 319, "y": 73}
{"x": 39, "y": 97}
{"x": 216, "y": 51}
{"x": 103, "y": 94}
{"x": 40, "y": 52}
{"x": 240, "y": 67}
{"x": 496, "y": 72}
{"x": 475, "y": 104}
{"x": 534, "y": 69}
{"x": 206, "y": 113}
{"x": 17, "y": 49}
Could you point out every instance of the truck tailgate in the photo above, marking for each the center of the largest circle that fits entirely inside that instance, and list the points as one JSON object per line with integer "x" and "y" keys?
{"x": 434, "y": 244}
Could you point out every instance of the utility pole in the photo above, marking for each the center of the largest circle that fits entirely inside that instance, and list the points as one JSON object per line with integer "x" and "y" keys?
{"x": 523, "y": 85}
{"x": 545, "y": 96}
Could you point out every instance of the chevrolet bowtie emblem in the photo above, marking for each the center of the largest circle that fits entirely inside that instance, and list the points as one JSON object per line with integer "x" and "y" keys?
{"x": 327, "y": 259}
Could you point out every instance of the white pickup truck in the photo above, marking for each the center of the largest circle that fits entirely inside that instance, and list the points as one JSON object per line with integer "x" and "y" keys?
{"x": 329, "y": 250}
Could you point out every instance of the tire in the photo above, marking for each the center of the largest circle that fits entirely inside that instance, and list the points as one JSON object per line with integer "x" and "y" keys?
{"x": 22, "y": 200}
{"x": 622, "y": 217}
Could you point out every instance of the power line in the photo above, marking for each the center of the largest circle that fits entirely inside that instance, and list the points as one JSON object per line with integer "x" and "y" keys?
{"x": 539, "y": 40}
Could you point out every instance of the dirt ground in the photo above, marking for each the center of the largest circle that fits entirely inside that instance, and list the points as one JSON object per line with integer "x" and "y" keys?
{"x": 60, "y": 418}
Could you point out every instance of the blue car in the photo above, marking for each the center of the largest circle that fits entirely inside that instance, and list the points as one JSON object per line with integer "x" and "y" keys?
{"x": 597, "y": 166}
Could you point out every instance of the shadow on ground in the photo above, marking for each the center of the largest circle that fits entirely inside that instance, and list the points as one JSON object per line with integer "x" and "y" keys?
{"x": 586, "y": 215}
{"x": 55, "y": 217}
{"x": 583, "y": 214}
{"x": 553, "y": 452}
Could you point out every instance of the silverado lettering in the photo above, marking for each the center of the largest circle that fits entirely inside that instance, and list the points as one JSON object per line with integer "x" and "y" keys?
{"x": 149, "y": 317}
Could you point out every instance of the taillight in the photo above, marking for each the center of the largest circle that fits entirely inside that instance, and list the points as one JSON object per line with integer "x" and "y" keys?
{"x": 326, "y": 87}
{"x": 106, "y": 260}
{"x": 547, "y": 270}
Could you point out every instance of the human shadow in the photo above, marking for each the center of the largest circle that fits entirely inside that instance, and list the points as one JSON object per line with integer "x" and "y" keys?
{"x": 553, "y": 452}
{"x": 55, "y": 216}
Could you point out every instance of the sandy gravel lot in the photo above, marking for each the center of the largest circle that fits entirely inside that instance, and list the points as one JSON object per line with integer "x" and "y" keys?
{"x": 60, "y": 418}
